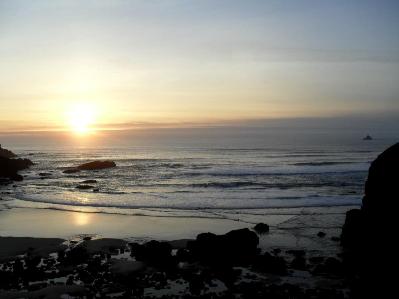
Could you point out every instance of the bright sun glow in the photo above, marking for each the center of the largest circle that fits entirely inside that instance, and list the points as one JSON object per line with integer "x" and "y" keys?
{"x": 81, "y": 117}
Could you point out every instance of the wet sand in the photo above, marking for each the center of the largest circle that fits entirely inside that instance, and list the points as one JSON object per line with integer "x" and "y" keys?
{"x": 101, "y": 244}
{"x": 290, "y": 228}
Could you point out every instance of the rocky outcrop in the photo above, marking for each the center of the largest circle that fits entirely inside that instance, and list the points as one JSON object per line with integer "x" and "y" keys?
{"x": 369, "y": 233}
{"x": 379, "y": 201}
{"x": 5, "y": 153}
{"x": 236, "y": 246}
{"x": 9, "y": 168}
{"x": 94, "y": 165}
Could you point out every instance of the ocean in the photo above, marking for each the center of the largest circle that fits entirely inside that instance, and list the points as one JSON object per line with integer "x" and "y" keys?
{"x": 198, "y": 172}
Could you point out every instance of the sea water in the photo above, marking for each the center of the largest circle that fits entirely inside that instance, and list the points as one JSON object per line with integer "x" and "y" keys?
{"x": 198, "y": 171}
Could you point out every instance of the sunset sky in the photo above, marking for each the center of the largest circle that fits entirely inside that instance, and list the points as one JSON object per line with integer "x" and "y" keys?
{"x": 119, "y": 64}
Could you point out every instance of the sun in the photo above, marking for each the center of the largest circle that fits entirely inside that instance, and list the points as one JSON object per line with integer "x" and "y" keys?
{"x": 81, "y": 117}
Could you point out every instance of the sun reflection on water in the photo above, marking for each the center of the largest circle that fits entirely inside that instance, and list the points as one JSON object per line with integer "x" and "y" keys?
{"x": 82, "y": 219}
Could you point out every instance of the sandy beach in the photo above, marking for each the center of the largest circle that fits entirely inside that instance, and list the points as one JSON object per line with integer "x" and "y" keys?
{"x": 295, "y": 227}
{"x": 44, "y": 233}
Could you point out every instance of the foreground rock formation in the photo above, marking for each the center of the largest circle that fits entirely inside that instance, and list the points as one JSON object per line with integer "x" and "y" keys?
{"x": 211, "y": 266}
{"x": 369, "y": 235}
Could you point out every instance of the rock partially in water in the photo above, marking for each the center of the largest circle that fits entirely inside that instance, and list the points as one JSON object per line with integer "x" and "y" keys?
{"x": 71, "y": 170}
{"x": 89, "y": 182}
{"x": 44, "y": 174}
{"x": 5, "y": 153}
{"x": 84, "y": 187}
{"x": 96, "y": 165}
{"x": 9, "y": 167}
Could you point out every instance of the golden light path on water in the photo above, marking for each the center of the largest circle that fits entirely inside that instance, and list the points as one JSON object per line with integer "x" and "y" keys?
{"x": 81, "y": 219}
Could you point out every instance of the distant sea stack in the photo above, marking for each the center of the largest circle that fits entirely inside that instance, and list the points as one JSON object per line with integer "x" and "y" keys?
{"x": 9, "y": 166}
{"x": 369, "y": 233}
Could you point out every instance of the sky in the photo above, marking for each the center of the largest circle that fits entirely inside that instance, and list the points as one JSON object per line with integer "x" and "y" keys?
{"x": 68, "y": 65}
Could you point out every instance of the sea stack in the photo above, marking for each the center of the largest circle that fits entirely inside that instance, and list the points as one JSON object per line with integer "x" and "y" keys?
{"x": 369, "y": 233}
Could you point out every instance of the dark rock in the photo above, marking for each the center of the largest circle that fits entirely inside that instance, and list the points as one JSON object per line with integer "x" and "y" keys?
{"x": 270, "y": 264}
{"x": 296, "y": 252}
{"x": 382, "y": 184}
{"x": 16, "y": 177}
{"x": 96, "y": 165}
{"x": 75, "y": 256}
{"x": 153, "y": 252}
{"x": 84, "y": 187}
{"x": 43, "y": 174}
{"x": 261, "y": 228}
{"x": 71, "y": 170}
{"x": 236, "y": 246}
{"x": 352, "y": 231}
{"x": 9, "y": 167}
{"x": 316, "y": 259}
{"x": 126, "y": 268}
{"x": 330, "y": 266}
{"x": 276, "y": 251}
{"x": 89, "y": 182}
{"x": 299, "y": 263}
{"x": 368, "y": 234}
{"x": 5, "y": 153}
{"x": 321, "y": 234}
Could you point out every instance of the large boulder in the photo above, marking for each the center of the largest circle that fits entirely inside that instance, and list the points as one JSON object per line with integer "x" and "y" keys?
{"x": 153, "y": 252}
{"x": 382, "y": 185}
{"x": 9, "y": 168}
{"x": 379, "y": 202}
{"x": 94, "y": 165}
{"x": 369, "y": 234}
{"x": 97, "y": 165}
{"x": 236, "y": 246}
{"x": 5, "y": 153}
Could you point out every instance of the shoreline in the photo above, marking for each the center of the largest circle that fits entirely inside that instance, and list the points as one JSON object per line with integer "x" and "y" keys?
{"x": 292, "y": 229}
{"x": 301, "y": 257}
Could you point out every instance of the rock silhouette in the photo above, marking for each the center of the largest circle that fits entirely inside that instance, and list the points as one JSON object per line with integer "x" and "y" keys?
{"x": 369, "y": 233}
{"x": 9, "y": 166}
{"x": 5, "y": 153}
{"x": 237, "y": 245}
{"x": 94, "y": 165}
